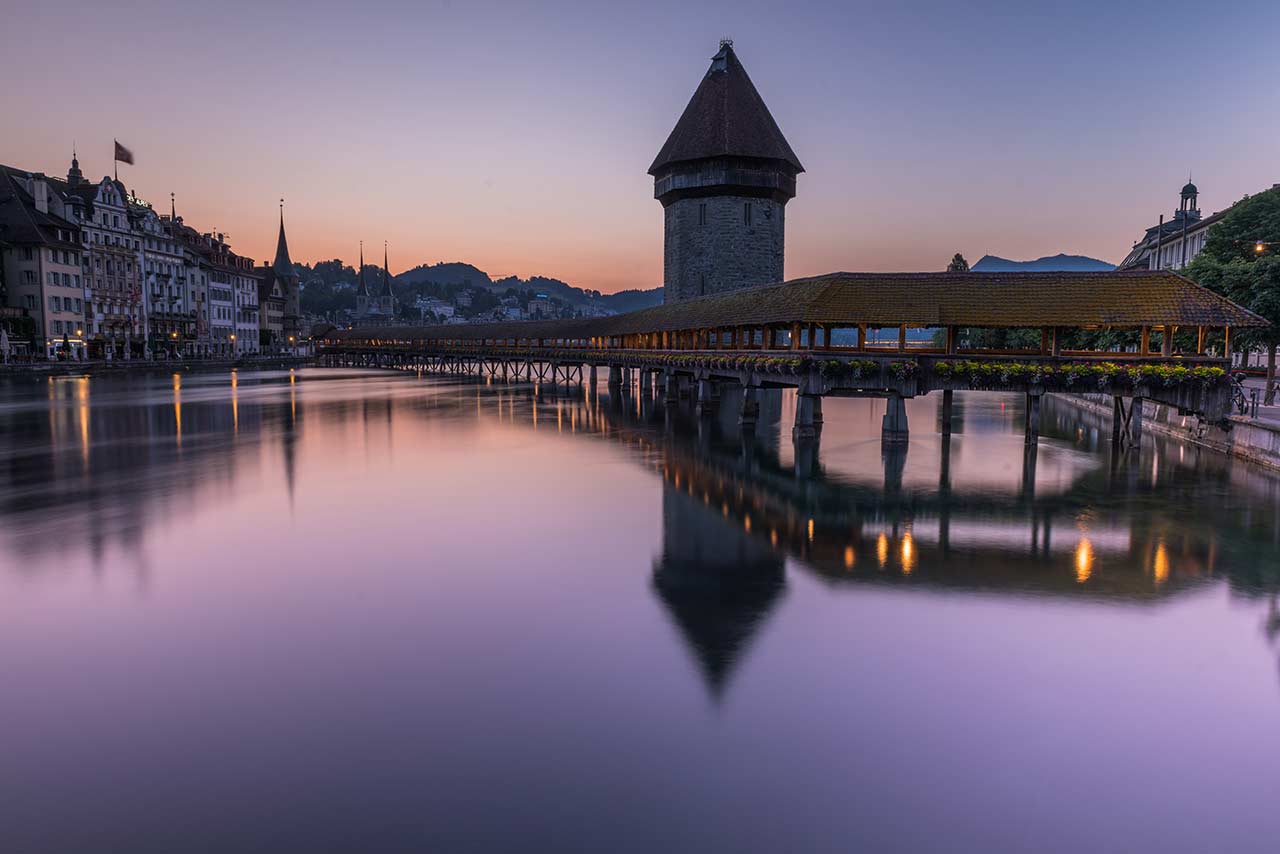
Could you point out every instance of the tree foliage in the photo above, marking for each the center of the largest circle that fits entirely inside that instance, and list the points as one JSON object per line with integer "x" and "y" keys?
{"x": 958, "y": 264}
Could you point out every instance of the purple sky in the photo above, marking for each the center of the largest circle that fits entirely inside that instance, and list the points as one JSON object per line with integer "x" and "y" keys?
{"x": 516, "y": 136}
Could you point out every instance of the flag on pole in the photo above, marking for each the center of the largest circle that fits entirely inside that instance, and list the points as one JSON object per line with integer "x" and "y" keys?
{"x": 123, "y": 154}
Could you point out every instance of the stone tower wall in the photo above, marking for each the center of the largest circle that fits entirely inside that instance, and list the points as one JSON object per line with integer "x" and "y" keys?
{"x": 718, "y": 251}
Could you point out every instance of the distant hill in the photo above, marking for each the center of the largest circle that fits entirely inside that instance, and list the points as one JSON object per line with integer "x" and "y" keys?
{"x": 462, "y": 273}
{"x": 1055, "y": 263}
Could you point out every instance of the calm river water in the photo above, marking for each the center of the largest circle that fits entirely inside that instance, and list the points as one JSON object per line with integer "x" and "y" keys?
{"x": 355, "y": 611}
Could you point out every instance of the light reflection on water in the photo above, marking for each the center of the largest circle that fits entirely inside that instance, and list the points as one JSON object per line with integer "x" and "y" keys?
{"x": 323, "y": 610}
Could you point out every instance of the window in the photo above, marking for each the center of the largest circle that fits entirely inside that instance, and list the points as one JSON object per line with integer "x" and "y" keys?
{"x": 702, "y": 285}
{"x": 79, "y": 306}
{"x": 702, "y": 214}
{"x": 27, "y": 254}
{"x": 115, "y": 222}
{"x": 57, "y": 326}
{"x": 30, "y": 302}
{"x": 55, "y": 304}
{"x": 746, "y": 213}
{"x": 29, "y": 277}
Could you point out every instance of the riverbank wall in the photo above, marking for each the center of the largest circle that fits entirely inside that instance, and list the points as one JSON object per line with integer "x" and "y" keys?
{"x": 1245, "y": 438}
{"x": 142, "y": 366}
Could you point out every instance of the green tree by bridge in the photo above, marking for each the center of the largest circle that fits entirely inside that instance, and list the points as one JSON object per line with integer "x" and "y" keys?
{"x": 1241, "y": 261}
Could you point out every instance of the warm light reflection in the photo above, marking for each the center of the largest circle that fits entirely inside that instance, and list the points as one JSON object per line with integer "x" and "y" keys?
{"x": 746, "y": 523}
{"x": 82, "y": 413}
{"x": 1161, "y": 563}
{"x": 811, "y": 530}
{"x": 882, "y": 549}
{"x": 848, "y": 557}
{"x": 177, "y": 407}
{"x": 908, "y": 553}
{"x": 773, "y": 536}
{"x": 1084, "y": 560}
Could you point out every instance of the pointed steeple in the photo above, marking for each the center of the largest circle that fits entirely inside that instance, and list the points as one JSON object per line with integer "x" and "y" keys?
{"x": 282, "y": 265}
{"x": 386, "y": 274}
{"x": 74, "y": 175}
{"x": 726, "y": 117}
{"x": 173, "y": 208}
{"x": 363, "y": 290}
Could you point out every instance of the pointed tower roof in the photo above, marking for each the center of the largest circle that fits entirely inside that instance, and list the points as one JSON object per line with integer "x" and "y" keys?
{"x": 726, "y": 117}
{"x": 364, "y": 287}
{"x": 386, "y": 274}
{"x": 282, "y": 265}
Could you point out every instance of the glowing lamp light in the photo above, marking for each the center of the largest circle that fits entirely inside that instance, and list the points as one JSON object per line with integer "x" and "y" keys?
{"x": 1259, "y": 247}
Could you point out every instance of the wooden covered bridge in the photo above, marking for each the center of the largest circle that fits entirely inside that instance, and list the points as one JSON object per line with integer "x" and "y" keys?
{"x": 1133, "y": 335}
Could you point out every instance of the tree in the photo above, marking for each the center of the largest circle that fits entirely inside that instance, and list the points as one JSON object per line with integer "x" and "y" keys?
{"x": 1231, "y": 265}
{"x": 958, "y": 264}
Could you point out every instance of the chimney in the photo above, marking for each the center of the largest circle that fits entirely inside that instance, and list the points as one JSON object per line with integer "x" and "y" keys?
{"x": 40, "y": 192}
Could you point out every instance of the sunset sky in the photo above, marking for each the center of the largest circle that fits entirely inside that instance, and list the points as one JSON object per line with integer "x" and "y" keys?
{"x": 516, "y": 136}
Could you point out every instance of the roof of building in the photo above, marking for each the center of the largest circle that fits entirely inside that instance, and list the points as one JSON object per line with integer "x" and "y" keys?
{"x": 1129, "y": 299}
{"x": 726, "y": 117}
{"x": 21, "y": 222}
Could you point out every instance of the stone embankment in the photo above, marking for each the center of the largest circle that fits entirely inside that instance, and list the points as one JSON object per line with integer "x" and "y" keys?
{"x": 1254, "y": 439}
{"x": 142, "y": 366}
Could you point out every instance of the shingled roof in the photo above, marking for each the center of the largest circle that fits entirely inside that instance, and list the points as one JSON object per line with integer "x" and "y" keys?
{"x": 1129, "y": 299}
{"x": 726, "y": 117}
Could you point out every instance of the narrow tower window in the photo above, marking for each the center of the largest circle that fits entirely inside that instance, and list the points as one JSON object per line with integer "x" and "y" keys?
{"x": 702, "y": 214}
{"x": 746, "y": 213}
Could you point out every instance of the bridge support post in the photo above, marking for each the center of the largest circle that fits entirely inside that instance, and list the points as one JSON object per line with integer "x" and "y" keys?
{"x": 706, "y": 398}
{"x": 948, "y": 405}
{"x": 592, "y": 378}
{"x": 1030, "y": 453}
{"x": 1126, "y": 424}
{"x": 615, "y": 378}
{"x": 1135, "y": 423}
{"x": 646, "y": 382}
{"x": 804, "y": 427}
{"x": 750, "y": 412}
{"x": 671, "y": 387}
{"x": 1031, "y": 434}
{"x": 893, "y": 428}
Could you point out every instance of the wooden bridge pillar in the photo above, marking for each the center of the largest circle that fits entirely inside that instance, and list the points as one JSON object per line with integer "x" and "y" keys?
{"x": 948, "y": 407}
{"x": 750, "y": 412}
{"x": 1126, "y": 424}
{"x": 670, "y": 386}
{"x": 593, "y": 379}
{"x": 646, "y": 382}
{"x": 615, "y": 377}
{"x": 1031, "y": 433}
{"x": 804, "y": 427}
{"x": 893, "y": 428}
{"x": 706, "y": 398}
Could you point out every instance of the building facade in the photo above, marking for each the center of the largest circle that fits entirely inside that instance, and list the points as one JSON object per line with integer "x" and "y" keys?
{"x": 41, "y": 260}
{"x": 1173, "y": 244}
{"x": 167, "y": 299}
{"x": 724, "y": 177}
{"x": 112, "y": 265}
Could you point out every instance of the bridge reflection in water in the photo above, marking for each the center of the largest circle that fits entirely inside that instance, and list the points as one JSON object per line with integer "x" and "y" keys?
{"x": 972, "y": 510}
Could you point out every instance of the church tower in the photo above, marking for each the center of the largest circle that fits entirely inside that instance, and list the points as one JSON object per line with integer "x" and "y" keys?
{"x": 386, "y": 297}
{"x": 362, "y": 291}
{"x": 282, "y": 267}
{"x": 724, "y": 178}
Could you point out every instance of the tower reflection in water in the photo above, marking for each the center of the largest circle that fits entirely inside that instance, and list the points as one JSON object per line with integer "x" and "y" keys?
{"x": 973, "y": 511}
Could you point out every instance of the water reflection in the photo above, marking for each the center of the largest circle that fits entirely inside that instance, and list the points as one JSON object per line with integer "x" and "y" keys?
{"x": 392, "y": 557}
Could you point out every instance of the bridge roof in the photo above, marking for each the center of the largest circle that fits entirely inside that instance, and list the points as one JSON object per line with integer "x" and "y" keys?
{"x": 1123, "y": 299}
